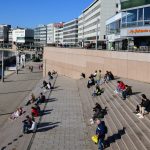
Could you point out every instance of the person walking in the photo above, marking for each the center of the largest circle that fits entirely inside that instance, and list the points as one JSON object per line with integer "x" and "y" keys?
{"x": 101, "y": 131}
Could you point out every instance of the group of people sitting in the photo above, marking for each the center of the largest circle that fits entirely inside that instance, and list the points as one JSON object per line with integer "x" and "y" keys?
{"x": 123, "y": 90}
{"x": 96, "y": 78}
{"x": 98, "y": 113}
{"x": 47, "y": 85}
{"x": 50, "y": 74}
{"x": 29, "y": 125}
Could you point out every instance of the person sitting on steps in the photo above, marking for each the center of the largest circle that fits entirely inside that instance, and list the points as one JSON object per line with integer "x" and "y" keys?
{"x": 34, "y": 112}
{"x": 97, "y": 112}
{"x": 91, "y": 82}
{"x": 31, "y": 100}
{"x": 120, "y": 87}
{"x": 41, "y": 99}
{"x": 83, "y": 75}
{"x": 126, "y": 92}
{"x": 144, "y": 106}
{"x": 98, "y": 91}
{"x": 29, "y": 125}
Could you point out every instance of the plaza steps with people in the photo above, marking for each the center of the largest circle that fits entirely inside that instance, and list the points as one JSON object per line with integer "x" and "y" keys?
{"x": 10, "y": 139}
{"x": 126, "y": 130}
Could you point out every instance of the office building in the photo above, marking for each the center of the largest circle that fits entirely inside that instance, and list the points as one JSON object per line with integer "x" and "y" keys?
{"x": 59, "y": 33}
{"x": 4, "y": 32}
{"x": 92, "y": 21}
{"x": 134, "y": 26}
{"x": 70, "y": 33}
{"x": 23, "y": 36}
{"x": 40, "y": 35}
{"x": 50, "y": 34}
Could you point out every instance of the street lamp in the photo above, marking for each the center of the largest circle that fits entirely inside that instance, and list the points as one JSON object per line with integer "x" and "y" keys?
{"x": 96, "y": 47}
{"x": 17, "y": 55}
{"x": 2, "y": 77}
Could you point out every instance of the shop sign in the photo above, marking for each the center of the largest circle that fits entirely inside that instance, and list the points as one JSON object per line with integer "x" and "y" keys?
{"x": 136, "y": 31}
{"x": 141, "y": 31}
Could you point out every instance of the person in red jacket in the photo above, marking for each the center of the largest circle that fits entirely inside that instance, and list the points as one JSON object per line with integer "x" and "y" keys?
{"x": 34, "y": 112}
{"x": 120, "y": 87}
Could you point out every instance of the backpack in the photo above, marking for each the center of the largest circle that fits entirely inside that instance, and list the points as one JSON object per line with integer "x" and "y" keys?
{"x": 106, "y": 129}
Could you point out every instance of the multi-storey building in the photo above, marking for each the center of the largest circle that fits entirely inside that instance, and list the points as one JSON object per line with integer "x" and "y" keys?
{"x": 23, "y": 36}
{"x": 10, "y": 38}
{"x": 50, "y": 33}
{"x": 92, "y": 21}
{"x": 59, "y": 33}
{"x": 133, "y": 24}
{"x": 40, "y": 35}
{"x": 70, "y": 33}
{"x": 4, "y": 32}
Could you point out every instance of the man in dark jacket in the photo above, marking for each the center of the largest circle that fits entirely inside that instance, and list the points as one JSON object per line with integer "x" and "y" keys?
{"x": 126, "y": 92}
{"x": 145, "y": 104}
{"x": 101, "y": 131}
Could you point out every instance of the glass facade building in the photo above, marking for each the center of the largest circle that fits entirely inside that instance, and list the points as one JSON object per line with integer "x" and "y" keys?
{"x": 131, "y": 31}
{"x": 136, "y": 17}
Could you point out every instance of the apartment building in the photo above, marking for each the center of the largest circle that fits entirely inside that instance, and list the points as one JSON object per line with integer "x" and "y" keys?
{"x": 23, "y": 36}
{"x": 70, "y": 33}
{"x": 50, "y": 33}
{"x": 91, "y": 23}
{"x": 4, "y": 32}
{"x": 40, "y": 35}
{"x": 59, "y": 32}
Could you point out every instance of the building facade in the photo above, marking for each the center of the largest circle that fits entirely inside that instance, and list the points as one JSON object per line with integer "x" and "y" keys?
{"x": 4, "y": 33}
{"x": 40, "y": 35}
{"x": 59, "y": 33}
{"x": 10, "y": 37}
{"x": 50, "y": 34}
{"x": 113, "y": 33}
{"x": 134, "y": 26}
{"x": 92, "y": 21}
{"x": 23, "y": 36}
{"x": 70, "y": 33}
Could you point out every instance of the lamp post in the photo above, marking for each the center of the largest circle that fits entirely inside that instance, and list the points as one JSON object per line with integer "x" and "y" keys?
{"x": 2, "y": 78}
{"x": 96, "y": 47}
{"x": 17, "y": 62}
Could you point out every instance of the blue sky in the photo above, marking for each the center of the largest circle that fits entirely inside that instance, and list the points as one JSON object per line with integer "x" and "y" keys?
{"x": 29, "y": 13}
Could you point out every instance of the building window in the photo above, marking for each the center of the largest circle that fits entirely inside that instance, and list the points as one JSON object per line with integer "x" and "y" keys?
{"x": 140, "y": 17}
{"x": 131, "y": 18}
{"x": 147, "y": 15}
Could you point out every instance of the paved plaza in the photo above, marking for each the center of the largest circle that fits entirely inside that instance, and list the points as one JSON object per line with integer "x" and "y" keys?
{"x": 64, "y": 124}
{"x": 64, "y": 128}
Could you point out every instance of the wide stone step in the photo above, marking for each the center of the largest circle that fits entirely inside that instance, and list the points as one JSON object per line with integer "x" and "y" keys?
{"x": 143, "y": 127}
{"x": 129, "y": 122}
{"x": 125, "y": 142}
{"x": 112, "y": 134}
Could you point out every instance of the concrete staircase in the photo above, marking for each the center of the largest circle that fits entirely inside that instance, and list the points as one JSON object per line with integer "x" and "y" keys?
{"x": 126, "y": 130}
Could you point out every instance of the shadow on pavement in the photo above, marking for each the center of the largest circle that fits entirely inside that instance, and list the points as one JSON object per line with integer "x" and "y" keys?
{"x": 17, "y": 92}
{"x": 58, "y": 90}
{"x": 6, "y": 114}
{"x": 43, "y": 127}
{"x": 136, "y": 93}
{"x": 114, "y": 137}
{"x": 22, "y": 80}
{"x": 51, "y": 100}
{"x": 46, "y": 112}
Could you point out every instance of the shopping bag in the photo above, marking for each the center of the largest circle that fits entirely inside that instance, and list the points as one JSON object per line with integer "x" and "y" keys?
{"x": 95, "y": 139}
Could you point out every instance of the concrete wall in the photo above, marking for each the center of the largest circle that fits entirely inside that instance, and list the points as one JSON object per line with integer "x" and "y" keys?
{"x": 71, "y": 62}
